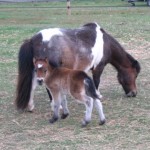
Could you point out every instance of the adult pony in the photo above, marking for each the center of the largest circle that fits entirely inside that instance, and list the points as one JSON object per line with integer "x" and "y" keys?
{"x": 61, "y": 81}
{"x": 86, "y": 48}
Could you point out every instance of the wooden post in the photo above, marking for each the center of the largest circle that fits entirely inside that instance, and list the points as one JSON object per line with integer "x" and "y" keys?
{"x": 68, "y": 7}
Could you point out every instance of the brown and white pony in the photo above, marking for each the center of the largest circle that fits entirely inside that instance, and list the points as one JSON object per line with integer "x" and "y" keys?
{"x": 86, "y": 48}
{"x": 61, "y": 81}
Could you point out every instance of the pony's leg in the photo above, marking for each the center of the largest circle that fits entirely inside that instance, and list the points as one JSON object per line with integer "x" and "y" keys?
{"x": 97, "y": 74}
{"x": 56, "y": 105}
{"x": 88, "y": 102}
{"x": 99, "y": 94}
{"x": 65, "y": 107}
{"x": 99, "y": 108}
{"x": 31, "y": 101}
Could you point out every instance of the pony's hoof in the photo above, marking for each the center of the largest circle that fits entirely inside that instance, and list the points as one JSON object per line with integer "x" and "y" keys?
{"x": 99, "y": 94}
{"x": 84, "y": 123}
{"x": 64, "y": 116}
{"x": 21, "y": 110}
{"x": 53, "y": 120}
{"x": 30, "y": 108}
{"x": 102, "y": 122}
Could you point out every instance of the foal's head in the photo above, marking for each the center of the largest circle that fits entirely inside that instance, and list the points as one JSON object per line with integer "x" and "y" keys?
{"x": 127, "y": 78}
{"x": 40, "y": 66}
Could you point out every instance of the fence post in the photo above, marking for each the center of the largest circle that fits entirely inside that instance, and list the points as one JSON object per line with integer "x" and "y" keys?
{"x": 68, "y": 7}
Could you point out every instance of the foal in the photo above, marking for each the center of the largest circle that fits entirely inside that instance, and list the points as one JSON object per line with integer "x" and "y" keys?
{"x": 62, "y": 81}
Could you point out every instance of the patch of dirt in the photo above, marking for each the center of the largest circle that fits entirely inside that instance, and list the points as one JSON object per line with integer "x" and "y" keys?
{"x": 141, "y": 51}
{"x": 3, "y": 94}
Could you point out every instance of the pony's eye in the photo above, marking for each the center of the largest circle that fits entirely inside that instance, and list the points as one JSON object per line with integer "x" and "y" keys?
{"x": 45, "y": 70}
{"x": 35, "y": 70}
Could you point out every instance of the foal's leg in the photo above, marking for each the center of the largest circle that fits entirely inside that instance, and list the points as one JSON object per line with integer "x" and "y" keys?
{"x": 52, "y": 102}
{"x": 31, "y": 101}
{"x": 65, "y": 107}
{"x": 88, "y": 102}
{"x": 49, "y": 94}
{"x": 99, "y": 108}
{"x": 51, "y": 98}
{"x": 56, "y": 102}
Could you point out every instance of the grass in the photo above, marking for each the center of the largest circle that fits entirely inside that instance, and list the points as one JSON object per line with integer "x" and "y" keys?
{"x": 128, "y": 119}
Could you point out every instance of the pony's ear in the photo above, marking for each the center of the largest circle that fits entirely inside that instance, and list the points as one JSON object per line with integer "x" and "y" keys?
{"x": 135, "y": 62}
{"x": 136, "y": 65}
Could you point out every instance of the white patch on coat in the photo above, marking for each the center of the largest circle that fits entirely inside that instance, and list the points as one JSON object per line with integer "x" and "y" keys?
{"x": 97, "y": 49}
{"x": 40, "y": 66}
{"x": 48, "y": 33}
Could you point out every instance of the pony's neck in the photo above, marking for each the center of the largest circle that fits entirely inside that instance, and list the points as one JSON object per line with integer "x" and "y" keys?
{"x": 117, "y": 56}
{"x": 123, "y": 62}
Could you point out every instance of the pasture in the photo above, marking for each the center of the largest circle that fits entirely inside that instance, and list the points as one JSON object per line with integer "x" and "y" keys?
{"x": 128, "y": 119}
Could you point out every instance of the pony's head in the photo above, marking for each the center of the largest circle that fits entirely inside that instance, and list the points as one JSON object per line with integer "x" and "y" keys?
{"x": 127, "y": 78}
{"x": 40, "y": 68}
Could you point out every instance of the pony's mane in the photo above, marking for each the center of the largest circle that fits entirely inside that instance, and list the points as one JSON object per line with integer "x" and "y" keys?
{"x": 113, "y": 41}
{"x": 53, "y": 64}
{"x": 91, "y": 25}
{"x": 135, "y": 63}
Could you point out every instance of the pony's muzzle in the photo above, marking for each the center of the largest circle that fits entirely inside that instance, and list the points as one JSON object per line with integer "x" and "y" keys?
{"x": 40, "y": 81}
{"x": 131, "y": 94}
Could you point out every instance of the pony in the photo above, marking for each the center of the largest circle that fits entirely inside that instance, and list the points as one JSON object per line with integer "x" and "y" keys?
{"x": 61, "y": 81}
{"x": 87, "y": 48}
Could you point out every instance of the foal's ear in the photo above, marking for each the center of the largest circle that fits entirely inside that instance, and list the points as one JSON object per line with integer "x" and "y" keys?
{"x": 34, "y": 60}
{"x": 46, "y": 59}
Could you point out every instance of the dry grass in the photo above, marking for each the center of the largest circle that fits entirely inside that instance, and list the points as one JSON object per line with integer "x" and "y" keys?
{"x": 128, "y": 119}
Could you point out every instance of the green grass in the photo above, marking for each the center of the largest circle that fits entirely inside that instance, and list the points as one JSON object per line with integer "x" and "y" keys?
{"x": 128, "y": 119}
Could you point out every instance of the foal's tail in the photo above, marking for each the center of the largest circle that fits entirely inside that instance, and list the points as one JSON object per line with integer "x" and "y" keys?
{"x": 25, "y": 74}
{"x": 90, "y": 88}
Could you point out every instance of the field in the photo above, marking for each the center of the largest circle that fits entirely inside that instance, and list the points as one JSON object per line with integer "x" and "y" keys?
{"x": 128, "y": 119}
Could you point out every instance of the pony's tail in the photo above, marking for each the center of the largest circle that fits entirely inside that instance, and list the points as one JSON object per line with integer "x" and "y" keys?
{"x": 90, "y": 88}
{"x": 25, "y": 74}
